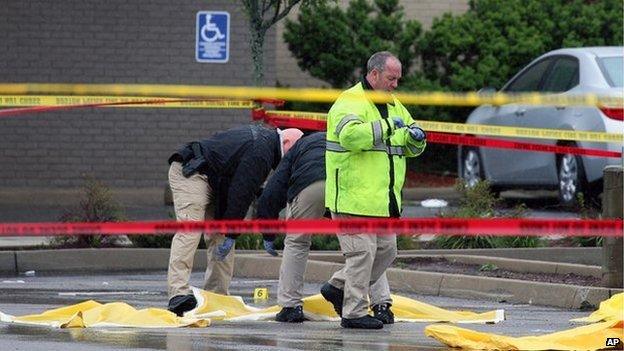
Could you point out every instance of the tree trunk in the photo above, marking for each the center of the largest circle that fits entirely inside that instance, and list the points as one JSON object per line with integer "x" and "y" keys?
{"x": 256, "y": 42}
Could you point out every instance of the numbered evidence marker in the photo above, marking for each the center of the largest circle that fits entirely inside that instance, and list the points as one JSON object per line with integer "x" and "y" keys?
{"x": 261, "y": 294}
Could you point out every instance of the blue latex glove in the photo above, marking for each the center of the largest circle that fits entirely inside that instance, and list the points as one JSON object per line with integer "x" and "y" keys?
{"x": 398, "y": 122}
{"x": 224, "y": 249}
{"x": 268, "y": 247}
{"x": 417, "y": 134}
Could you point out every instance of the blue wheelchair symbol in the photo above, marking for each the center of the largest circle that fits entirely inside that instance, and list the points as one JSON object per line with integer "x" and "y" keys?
{"x": 209, "y": 31}
{"x": 213, "y": 36}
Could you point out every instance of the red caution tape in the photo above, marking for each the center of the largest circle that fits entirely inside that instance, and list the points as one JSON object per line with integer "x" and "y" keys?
{"x": 285, "y": 122}
{"x": 438, "y": 226}
{"x": 444, "y": 138}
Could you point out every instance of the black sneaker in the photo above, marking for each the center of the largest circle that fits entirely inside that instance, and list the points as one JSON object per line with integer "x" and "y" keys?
{"x": 383, "y": 313}
{"x": 182, "y": 303}
{"x": 333, "y": 295}
{"x": 290, "y": 315}
{"x": 366, "y": 322}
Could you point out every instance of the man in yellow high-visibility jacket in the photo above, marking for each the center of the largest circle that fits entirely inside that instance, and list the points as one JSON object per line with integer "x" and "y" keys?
{"x": 367, "y": 145}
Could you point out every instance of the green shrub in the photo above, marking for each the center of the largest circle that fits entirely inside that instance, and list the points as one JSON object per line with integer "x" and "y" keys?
{"x": 333, "y": 43}
{"x": 407, "y": 242}
{"x": 97, "y": 205}
{"x": 249, "y": 242}
{"x": 480, "y": 202}
{"x": 488, "y": 267}
{"x": 587, "y": 211}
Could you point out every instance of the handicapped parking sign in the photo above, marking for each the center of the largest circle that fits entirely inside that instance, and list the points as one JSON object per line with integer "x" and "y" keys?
{"x": 213, "y": 36}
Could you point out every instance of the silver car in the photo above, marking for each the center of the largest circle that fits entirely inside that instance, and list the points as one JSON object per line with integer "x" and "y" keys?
{"x": 566, "y": 71}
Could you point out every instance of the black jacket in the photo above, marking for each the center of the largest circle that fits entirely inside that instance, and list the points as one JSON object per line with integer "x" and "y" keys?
{"x": 303, "y": 165}
{"x": 238, "y": 161}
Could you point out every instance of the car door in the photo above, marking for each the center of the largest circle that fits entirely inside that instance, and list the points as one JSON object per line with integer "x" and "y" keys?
{"x": 506, "y": 166}
{"x": 563, "y": 75}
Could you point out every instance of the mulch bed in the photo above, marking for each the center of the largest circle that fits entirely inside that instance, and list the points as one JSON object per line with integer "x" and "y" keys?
{"x": 441, "y": 265}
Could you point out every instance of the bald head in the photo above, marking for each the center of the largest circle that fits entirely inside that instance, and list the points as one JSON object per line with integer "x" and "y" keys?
{"x": 288, "y": 138}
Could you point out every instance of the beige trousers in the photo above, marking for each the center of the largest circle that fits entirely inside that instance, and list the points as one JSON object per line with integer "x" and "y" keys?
{"x": 310, "y": 203}
{"x": 367, "y": 256}
{"x": 191, "y": 201}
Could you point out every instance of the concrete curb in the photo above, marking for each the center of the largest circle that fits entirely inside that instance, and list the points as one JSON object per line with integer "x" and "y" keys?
{"x": 528, "y": 266}
{"x": 516, "y": 265}
{"x": 578, "y": 255}
{"x": 257, "y": 265}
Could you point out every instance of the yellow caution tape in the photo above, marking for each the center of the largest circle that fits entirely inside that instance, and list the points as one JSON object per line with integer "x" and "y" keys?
{"x": 299, "y": 114}
{"x": 535, "y": 133}
{"x": 64, "y": 100}
{"x": 306, "y": 94}
{"x": 484, "y": 129}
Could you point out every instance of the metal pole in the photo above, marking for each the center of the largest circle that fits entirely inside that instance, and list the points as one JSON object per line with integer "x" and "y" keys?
{"x": 612, "y": 208}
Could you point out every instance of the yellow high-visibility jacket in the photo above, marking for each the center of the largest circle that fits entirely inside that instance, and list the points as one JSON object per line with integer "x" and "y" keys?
{"x": 365, "y": 157}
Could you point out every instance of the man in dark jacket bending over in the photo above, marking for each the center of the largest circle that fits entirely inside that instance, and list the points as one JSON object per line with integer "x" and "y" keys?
{"x": 217, "y": 178}
{"x": 299, "y": 184}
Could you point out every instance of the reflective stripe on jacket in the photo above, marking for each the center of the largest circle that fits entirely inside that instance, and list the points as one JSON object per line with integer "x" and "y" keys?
{"x": 366, "y": 155}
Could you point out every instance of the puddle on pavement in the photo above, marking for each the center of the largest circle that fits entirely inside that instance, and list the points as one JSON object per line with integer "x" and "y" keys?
{"x": 223, "y": 336}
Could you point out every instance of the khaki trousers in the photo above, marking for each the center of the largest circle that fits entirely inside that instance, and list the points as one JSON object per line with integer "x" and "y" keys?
{"x": 191, "y": 201}
{"x": 310, "y": 203}
{"x": 367, "y": 256}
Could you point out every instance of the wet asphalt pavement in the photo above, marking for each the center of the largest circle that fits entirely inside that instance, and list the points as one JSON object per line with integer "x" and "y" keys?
{"x": 40, "y": 293}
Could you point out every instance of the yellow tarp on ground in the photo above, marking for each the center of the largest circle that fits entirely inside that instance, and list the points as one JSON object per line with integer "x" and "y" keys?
{"x": 611, "y": 309}
{"x": 232, "y": 308}
{"x": 589, "y": 337}
{"x": 116, "y": 314}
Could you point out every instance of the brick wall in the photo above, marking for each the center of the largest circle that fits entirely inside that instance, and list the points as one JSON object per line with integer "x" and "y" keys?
{"x": 112, "y": 41}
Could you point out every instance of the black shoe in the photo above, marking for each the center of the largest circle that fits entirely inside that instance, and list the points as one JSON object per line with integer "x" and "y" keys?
{"x": 366, "y": 322}
{"x": 290, "y": 315}
{"x": 182, "y": 303}
{"x": 383, "y": 313}
{"x": 333, "y": 295}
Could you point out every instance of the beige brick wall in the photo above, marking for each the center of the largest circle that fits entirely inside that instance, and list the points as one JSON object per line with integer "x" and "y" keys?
{"x": 424, "y": 11}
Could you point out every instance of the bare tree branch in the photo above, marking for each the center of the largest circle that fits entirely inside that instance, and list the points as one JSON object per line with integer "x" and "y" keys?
{"x": 266, "y": 5}
{"x": 258, "y": 26}
{"x": 284, "y": 12}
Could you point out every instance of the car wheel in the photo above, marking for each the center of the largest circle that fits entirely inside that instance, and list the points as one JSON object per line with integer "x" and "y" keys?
{"x": 472, "y": 168}
{"x": 571, "y": 179}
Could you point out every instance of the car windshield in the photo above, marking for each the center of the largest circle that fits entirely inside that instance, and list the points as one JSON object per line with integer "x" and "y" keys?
{"x": 612, "y": 70}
